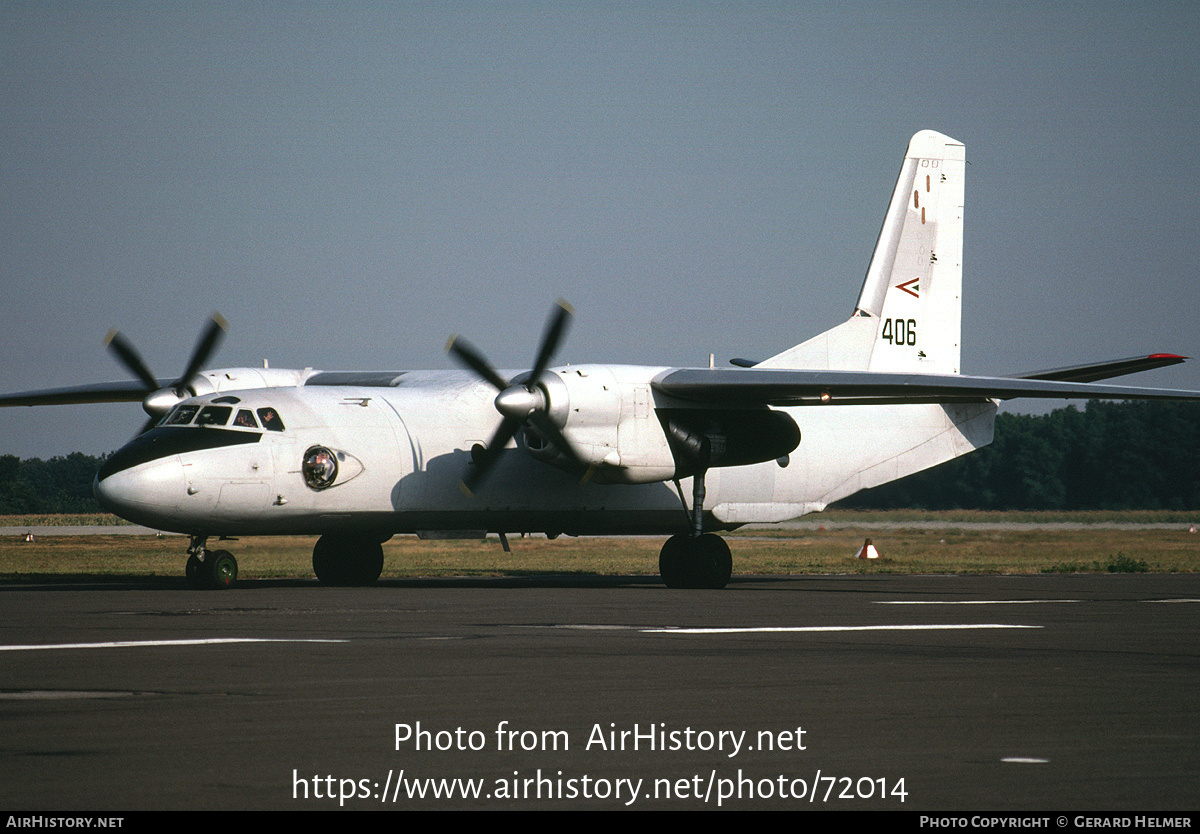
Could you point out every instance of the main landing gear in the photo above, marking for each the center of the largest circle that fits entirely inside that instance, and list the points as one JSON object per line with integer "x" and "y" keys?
{"x": 209, "y": 568}
{"x": 348, "y": 559}
{"x": 697, "y": 559}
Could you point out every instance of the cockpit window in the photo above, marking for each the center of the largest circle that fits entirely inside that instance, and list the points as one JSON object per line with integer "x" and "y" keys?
{"x": 181, "y": 415}
{"x": 245, "y": 418}
{"x": 214, "y": 415}
{"x": 270, "y": 419}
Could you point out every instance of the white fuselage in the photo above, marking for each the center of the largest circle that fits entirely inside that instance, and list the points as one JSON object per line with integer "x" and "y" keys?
{"x": 403, "y": 451}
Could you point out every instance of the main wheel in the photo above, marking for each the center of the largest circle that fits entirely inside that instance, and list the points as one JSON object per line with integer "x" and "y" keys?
{"x": 220, "y": 569}
{"x": 367, "y": 563}
{"x": 347, "y": 559}
{"x": 326, "y": 562}
{"x": 711, "y": 563}
{"x": 673, "y": 562}
{"x": 701, "y": 562}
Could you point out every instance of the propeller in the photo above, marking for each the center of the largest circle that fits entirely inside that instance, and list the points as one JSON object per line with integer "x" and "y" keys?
{"x": 159, "y": 399}
{"x": 519, "y": 403}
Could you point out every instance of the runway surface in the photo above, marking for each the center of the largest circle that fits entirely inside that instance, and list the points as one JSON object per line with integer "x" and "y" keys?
{"x": 934, "y": 693}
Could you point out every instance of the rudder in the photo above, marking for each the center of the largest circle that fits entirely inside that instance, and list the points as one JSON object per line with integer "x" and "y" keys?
{"x": 908, "y": 316}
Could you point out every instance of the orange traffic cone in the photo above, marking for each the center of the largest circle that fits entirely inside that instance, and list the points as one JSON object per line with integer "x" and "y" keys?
{"x": 867, "y": 551}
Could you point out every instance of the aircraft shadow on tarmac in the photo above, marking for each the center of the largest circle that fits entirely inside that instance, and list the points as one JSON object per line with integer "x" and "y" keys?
{"x": 523, "y": 579}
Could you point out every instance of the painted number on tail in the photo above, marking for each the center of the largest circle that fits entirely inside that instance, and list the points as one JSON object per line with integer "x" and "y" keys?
{"x": 900, "y": 331}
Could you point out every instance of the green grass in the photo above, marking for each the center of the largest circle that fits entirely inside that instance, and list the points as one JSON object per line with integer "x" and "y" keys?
{"x": 772, "y": 551}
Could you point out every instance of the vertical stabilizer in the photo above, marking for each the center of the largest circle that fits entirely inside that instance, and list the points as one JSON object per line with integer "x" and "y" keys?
{"x": 908, "y": 316}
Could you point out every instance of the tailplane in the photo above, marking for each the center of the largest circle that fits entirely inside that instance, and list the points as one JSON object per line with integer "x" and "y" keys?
{"x": 908, "y": 317}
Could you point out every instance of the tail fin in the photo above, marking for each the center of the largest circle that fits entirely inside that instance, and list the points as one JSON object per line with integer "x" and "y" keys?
{"x": 908, "y": 316}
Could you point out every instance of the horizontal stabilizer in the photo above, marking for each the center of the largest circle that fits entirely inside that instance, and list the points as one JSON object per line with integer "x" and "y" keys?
{"x": 1107, "y": 370}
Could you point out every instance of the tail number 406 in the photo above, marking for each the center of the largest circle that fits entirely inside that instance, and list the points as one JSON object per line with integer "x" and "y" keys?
{"x": 900, "y": 331}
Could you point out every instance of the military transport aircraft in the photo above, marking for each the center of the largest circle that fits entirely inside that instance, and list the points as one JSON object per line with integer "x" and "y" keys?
{"x": 356, "y": 457}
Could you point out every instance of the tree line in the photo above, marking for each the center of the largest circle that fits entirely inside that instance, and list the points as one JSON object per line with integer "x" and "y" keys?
{"x": 59, "y": 485}
{"x": 1109, "y": 456}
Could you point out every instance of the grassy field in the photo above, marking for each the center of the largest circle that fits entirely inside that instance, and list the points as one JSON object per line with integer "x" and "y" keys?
{"x": 904, "y": 549}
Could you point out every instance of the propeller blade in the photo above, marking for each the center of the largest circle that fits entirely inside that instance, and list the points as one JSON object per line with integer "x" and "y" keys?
{"x": 157, "y": 398}
{"x": 550, "y": 430}
{"x": 520, "y": 404}
{"x": 128, "y": 356}
{"x": 468, "y": 355}
{"x": 209, "y": 339}
{"x": 486, "y": 459}
{"x": 556, "y": 328}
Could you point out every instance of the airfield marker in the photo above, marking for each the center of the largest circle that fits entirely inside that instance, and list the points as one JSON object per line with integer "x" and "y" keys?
{"x": 867, "y": 551}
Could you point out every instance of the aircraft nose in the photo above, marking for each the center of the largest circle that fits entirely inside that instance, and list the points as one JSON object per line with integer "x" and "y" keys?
{"x": 145, "y": 493}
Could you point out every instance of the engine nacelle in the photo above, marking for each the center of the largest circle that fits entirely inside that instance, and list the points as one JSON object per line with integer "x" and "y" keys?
{"x": 703, "y": 438}
{"x": 610, "y": 416}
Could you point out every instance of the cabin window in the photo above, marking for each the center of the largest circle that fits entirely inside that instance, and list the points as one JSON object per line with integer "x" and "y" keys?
{"x": 270, "y": 419}
{"x": 214, "y": 415}
{"x": 181, "y": 415}
{"x": 245, "y": 419}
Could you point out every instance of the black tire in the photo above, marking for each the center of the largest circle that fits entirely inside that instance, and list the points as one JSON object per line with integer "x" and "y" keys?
{"x": 673, "y": 562}
{"x": 326, "y": 564}
{"x": 711, "y": 563}
{"x": 220, "y": 569}
{"x": 347, "y": 560}
{"x": 367, "y": 563}
{"x": 703, "y": 562}
{"x": 194, "y": 572}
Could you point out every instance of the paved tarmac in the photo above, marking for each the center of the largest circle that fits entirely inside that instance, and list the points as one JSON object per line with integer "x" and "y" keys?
{"x": 920, "y": 693}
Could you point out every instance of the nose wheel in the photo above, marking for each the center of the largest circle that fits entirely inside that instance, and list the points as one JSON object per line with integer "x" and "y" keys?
{"x": 209, "y": 569}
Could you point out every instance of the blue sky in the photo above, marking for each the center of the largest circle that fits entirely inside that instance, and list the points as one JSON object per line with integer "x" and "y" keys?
{"x": 351, "y": 183}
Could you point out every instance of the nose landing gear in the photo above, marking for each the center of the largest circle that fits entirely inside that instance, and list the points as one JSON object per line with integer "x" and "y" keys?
{"x": 209, "y": 568}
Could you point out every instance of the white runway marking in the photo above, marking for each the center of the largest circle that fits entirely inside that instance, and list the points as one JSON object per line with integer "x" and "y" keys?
{"x": 61, "y": 695}
{"x": 125, "y": 644}
{"x": 970, "y": 601}
{"x": 1022, "y": 760}
{"x": 768, "y": 629}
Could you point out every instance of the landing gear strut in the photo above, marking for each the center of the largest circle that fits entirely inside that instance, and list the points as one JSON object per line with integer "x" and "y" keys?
{"x": 209, "y": 568}
{"x": 347, "y": 559}
{"x": 699, "y": 559}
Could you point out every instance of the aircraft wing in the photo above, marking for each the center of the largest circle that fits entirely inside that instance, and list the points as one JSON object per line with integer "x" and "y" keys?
{"x": 769, "y": 386}
{"x": 132, "y": 391}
